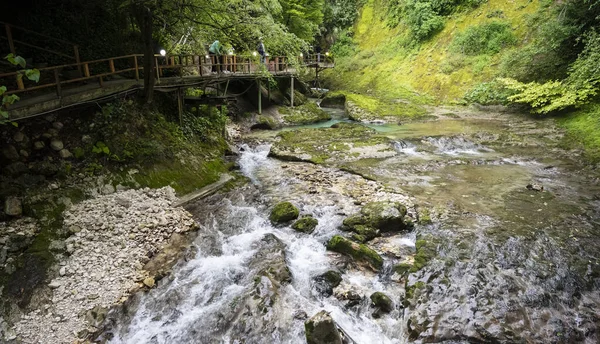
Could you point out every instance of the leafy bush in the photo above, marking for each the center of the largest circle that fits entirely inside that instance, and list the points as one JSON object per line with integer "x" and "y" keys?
{"x": 422, "y": 19}
{"x": 344, "y": 45}
{"x": 487, "y": 38}
{"x": 489, "y": 93}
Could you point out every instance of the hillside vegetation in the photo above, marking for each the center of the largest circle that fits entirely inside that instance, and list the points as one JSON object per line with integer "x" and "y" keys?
{"x": 540, "y": 56}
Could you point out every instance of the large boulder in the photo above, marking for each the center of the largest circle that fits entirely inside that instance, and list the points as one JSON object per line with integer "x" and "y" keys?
{"x": 321, "y": 329}
{"x": 284, "y": 212}
{"x": 306, "y": 224}
{"x": 334, "y": 101}
{"x": 384, "y": 216}
{"x": 265, "y": 122}
{"x": 359, "y": 252}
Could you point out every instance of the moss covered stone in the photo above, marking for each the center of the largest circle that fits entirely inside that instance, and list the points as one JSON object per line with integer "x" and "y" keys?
{"x": 375, "y": 217}
{"x": 284, "y": 212}
{"x": 325, "y": 283}
{"x": 346, "y": 142}
{"x": 265, "y": 122}
{"x": 306, "y": 224}
{"x": 321, "y": 329}
{"x": 334, "y": 101}
{"x": 402, "y": 268}
{"x": 359, "y": 252}
{"x": 304, "y": 114}
{"x": 426, "y": 250}
{"x": 412, "y": 291}
{"x": 364, "y": 233}
{"x": 382, "y": 301}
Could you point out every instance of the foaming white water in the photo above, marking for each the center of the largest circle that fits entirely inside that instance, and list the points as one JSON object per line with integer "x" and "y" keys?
{"x": 197, "y": 306}
{"x": 252, "y": 158}
{"x": 407, "y": 148}
{"x": 456, "y": 146}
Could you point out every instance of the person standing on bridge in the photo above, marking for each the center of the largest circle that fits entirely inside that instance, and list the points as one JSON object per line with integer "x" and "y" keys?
{"x": 261, "y": 51}
{"x": 215, "y": 55}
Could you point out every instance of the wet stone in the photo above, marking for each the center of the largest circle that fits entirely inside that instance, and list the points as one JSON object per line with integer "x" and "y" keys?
{"x": 322, "y": 329}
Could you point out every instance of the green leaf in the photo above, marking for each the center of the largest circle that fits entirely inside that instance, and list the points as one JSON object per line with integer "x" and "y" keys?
{"x": 32, "y": 74}
{"x": 16, "y": 60}
{"x": 15, "y": 124}
{"x": 2, "y": 90}
{"x": 4, "y": 113}
{"x": 10, "y": 99}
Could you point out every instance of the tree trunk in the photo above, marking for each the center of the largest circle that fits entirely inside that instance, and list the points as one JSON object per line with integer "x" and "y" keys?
{"x": 146, "y": 31}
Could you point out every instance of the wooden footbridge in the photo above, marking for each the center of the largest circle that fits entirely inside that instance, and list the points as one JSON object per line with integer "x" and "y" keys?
{"x": 82, "y": 82}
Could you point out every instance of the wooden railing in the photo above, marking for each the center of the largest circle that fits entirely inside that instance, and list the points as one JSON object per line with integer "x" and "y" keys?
{"x": 317, "y": 59}
{"x": 130, "y": 66}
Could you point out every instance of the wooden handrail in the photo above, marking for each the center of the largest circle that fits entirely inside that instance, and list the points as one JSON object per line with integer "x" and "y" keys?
{"x": 237, "y": 65}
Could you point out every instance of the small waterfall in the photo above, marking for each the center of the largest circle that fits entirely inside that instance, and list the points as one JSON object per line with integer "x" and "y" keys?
{"x": 406, "y": 148}
{"x": 455, "y": 145}
{"x": 252, "y": 158}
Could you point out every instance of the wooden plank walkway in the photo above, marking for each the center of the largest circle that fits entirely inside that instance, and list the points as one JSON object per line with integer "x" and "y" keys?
{"x": 84, "y": 82}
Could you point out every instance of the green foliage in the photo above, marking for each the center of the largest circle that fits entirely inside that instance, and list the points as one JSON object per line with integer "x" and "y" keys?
{"x": 302, "y": 17}
{"x": 489, "y": 93}
{"x": 9, "y": 99}
{"x": 425, "y": 17}
{"x": 489, "y": 38}
{"x": 550, "y": 96}
{"x": 344, "y": 45}
{"x": 101, "y": 148}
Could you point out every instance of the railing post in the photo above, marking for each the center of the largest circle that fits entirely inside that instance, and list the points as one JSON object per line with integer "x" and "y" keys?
{"x": 137, "y": 69}
{"x": 200, "y": 58}
{"x": 57, "y": 81}
{"x": 276, "y": 63}
{"x": 77, "y": 59}
{"x": 11, "y": 44}
{"x": 111, "y": 64}
{"x": 86, "y": 70}
{"x": 20, "y": 84}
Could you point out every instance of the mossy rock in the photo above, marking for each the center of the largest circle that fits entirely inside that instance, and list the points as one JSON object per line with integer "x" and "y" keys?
{"x": 412, "y": 291}
{"x": 304, "y": 114}
{"x": 321, "y": 329}
{"x": 402, "y": 268}
{"x": 265, "y": 122}
{"x": 364, "y": 233}
{"x": 382, "y": 216}
{"x": 337, "y": 101}
{"x": 306, "y": 224}
{"x": 284, "y": 212}
{"x": 359, "y": 252}
{"x": 426, "y": 251}
{"x": 327, "y": 281}
{"x": 299, "y": 98}
{"x": 382, "y": 301}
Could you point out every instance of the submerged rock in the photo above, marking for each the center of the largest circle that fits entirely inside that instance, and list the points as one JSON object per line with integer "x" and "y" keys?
{"x": 374, "y": 217}
{"x": 322, "y": 329}
{"x": 306, "y": 224}
{"x": 359, "y": 252}
{"x": 284, "y": 212}
{"x": 382, "y": 302}
{"x": 535, "y": 187}
{"x": 326, "y": 282}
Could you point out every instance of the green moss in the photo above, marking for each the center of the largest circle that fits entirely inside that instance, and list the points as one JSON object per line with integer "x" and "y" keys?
{"x": 583, "y": 131}
{"x": 426, "y": 250}
{"x": 304, "y": 114}
{"x": 360, "y": 252}
{"x": 411, "y": 291}
{"x": 333, "y": 278}
{"x": 402, "y": 268}
{"x": 382, "y": 301}
{"x": 265, "y": 122}
{"x": 306, "y": 224}
{"x": 320, "y": 145}
{"x": 284, "y": 212}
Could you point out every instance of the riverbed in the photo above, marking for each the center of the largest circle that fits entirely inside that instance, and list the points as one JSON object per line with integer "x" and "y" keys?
{"x": 509, "y": 220}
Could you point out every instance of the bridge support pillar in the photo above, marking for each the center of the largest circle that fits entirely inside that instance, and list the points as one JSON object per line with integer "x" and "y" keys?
{"x": 292, "y": 91}
{"x": 180, "y": 105}
{"x": 259, "y": 96}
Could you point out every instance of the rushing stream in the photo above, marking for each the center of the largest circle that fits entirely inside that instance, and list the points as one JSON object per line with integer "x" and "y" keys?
{"x": 511, "y": 264}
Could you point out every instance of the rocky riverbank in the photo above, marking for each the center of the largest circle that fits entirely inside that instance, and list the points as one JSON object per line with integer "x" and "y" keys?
{"x": 115, "y": 241}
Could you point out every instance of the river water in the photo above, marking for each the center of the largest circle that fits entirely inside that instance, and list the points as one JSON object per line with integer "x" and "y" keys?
{"x": 510, "y": 264}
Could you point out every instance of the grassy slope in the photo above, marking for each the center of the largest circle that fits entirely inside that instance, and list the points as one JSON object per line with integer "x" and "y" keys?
{"x": 428, "y": 72}
{"x": 385, "y": 71}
